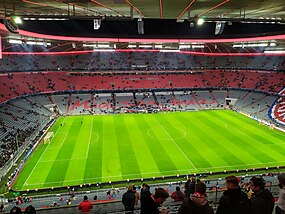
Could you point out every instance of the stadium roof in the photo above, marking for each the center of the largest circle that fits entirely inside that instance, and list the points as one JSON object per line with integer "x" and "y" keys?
{"x": 166, "y": 9}
{"x": 68, "y": 25}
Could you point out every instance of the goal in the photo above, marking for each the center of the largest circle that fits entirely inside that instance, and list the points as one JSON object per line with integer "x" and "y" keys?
{"x": 48, "y": 137}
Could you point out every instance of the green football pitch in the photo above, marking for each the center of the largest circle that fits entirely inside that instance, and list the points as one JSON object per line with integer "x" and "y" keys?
{"x": 103, "y": 148}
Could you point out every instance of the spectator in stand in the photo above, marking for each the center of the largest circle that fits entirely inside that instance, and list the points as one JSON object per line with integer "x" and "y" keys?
{"x": 262, "y": 201}
{"x": 197, "y": 203}
{"x": 128, "y": 199}
{"x": 177, "y": 195}
{"x": 85, "y": 206}
{"x": 16, "y": 210}
{"x": 190, "y": 187}
{"x": 30, "y": 210}
{"x": 280, "y": 208}
{"x": 137, "y": 195}
{"x": 234, "y": 200}
{"x": 152, "y": 205}
{"x": 145, "y": 194}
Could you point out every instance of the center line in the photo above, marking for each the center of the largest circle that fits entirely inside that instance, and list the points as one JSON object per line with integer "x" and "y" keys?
{"x": 175, "y": 143}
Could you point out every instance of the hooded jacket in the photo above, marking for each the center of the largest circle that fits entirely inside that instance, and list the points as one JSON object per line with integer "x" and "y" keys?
{"x": 262, "y": 202}
{"x": 196, "y": 204}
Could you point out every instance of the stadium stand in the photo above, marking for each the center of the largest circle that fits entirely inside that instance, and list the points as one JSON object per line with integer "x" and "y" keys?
{"x": 103, "y": 204}
{"x": 33, "y": 91}
{"x": 61, "y": 81}
{"x": 188, "y": 91}
{"x": 122, "y": 61}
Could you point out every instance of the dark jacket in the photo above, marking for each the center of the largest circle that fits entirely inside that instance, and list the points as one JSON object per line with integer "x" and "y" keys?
{"x": 128, "y": 200}
{"x": 150, "y": 206}
{"x": 234, "y": 201}
{"x": 189, "y": 188}
{"x": 144, "y": 197}
{"x": 262, "y": 202}
{"x": 195, "y": 205}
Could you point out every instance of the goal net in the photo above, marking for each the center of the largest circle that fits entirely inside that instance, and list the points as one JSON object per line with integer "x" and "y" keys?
{"x": 48, "y": 137}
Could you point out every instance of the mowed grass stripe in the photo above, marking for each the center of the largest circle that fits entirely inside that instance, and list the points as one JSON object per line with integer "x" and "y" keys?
{"x": 258, "y": 145}
{"x": 226, "y": 158}
{"x": 260, "y": 132}
{"x": 240, "y": 129}
{"x": 128, "y": 160}
{"x": 93, "y": 168}
{"x": 236, "y": 142}
{"x": 156, "y": 146}
{"x": 172, "y": 146}
{"x": 139, "y": 140}
{"x": 59, "y": 168}
{"x": 177, "y": 155}
{"x": 33, "y": 175}
{"x": 111, "y": 167}
{"x": 201, "y": 153}
{"x": 210, "y": 134}
{"x": 80, "y": 151}
{"x": 214, "y": 141}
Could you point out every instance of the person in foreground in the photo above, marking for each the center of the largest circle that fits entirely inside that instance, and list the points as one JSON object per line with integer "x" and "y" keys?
{"x": 234, "y": 200}
{"x": 15, "y": 210}
{"x": 128, "y": 199}
{"x": 152, "y": 205}
{"x": 30, "y": 210}
{"x": 197, "y": 202}
{"x": 177, "y": 195}
{"x": 262, "y": 201}
{"x": 85, "y": 206}
{"x": 280, "y": 208}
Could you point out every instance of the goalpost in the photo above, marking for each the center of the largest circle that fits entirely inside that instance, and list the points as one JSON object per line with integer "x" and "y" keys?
{"x": 48, "y": 137}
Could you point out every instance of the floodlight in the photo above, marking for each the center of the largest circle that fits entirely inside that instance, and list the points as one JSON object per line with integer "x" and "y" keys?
{"x": 200, "y": 21}
{"x": 17, "y": 20}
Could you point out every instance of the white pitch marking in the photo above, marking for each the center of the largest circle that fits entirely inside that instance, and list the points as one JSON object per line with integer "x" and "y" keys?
{"x": 146, "y": 173}
{"x": 175, "y": 143}
{"x": 40, "y": 158}
{"x": 149, "y": 134}
{"x": 89, "y": 141}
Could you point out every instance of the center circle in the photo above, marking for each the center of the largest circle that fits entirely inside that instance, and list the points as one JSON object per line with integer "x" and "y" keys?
{"x": 166, "y": 136}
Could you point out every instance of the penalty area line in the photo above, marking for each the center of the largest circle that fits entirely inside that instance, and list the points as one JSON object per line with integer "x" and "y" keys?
{"x": 25, "y": 183}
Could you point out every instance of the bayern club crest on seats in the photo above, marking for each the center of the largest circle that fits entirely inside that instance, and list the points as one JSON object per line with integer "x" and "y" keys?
{"x": 278, "y": 111}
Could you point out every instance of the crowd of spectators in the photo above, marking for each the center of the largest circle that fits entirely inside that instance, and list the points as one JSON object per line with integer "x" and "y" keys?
{"x": 123, "y": 61}
{"x": 13, "y": 85}
{"x": 50, "y": 82}
{"x": 245, "y": 194}
{"x": 10, "y": 145}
